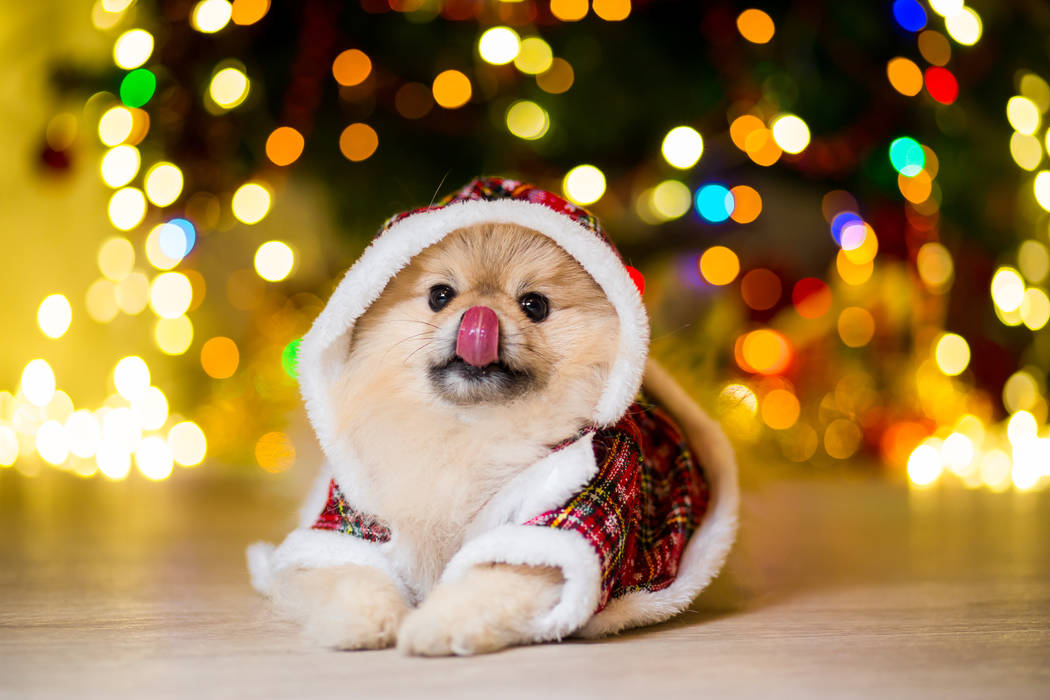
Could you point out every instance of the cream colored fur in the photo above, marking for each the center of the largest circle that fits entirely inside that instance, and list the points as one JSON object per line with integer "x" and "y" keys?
{"x": 432, "y": 464}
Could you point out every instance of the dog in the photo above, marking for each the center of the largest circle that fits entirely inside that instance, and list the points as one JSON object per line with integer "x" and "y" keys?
{"x": 484, "y": 491}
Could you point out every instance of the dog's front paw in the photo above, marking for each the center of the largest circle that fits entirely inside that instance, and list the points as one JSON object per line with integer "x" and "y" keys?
{"x": 345, "y": 607}
{"x": 490, "y": 608}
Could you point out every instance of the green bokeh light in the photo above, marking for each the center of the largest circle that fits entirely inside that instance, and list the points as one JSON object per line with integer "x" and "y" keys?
{"x": 907, "y": 156}
{"x": 138, "y": 87}
{"x": 290, "y": 358}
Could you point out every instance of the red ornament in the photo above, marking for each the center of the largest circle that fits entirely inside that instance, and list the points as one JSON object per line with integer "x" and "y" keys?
{"x": 637, "y": 278}
{"x": 941, "y": 85}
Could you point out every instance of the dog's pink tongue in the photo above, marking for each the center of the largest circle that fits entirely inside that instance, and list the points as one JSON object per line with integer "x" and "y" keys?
{"x": 478, "y": 340}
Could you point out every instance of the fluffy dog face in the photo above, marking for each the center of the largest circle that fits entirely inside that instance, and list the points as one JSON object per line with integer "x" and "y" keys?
{"x": 491, "y": 315}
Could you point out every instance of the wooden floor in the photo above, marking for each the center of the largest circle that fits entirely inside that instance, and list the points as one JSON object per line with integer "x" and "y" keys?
{"x": 845, "y": 588}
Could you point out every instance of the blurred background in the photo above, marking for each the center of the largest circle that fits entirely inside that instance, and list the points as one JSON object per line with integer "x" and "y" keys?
{"x": 841, "y": 210}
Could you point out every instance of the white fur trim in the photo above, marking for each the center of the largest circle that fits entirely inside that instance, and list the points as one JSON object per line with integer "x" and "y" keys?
{"x": 325, "y": 347}
{"x": 312, "y": 549}
{"x": 547, "y": 484}
{"x": 541, "y": 546}
{"x": 709, "y": 546}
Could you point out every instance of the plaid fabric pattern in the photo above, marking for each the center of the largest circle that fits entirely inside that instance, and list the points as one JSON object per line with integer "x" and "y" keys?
{"x": 340, "y": 516}
{"x": 493, "y": 188}
{"x": 641, "y": 507}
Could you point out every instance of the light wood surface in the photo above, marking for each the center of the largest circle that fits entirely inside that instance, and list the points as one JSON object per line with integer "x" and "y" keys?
{"x": 845, "y": 587}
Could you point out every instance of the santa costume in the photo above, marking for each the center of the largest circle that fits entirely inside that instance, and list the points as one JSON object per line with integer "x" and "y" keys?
{"x": 638, "y": 509}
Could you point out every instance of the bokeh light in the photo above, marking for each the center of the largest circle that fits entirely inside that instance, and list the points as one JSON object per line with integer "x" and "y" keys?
{"x": 351, "y": 67}
{"x": 163, "y": 184}
{"x": 132, "y": 48}
{"x": 584, "y": 184}
{"x": 924, "y": 465}
{"x": 714, "y": 203}
{"x": 251, "y": 203}
{"x": 1023, "y": 115}
{"x": 612, "y": 10}
{"x": 274, "y": 261}
{"x": 671, "y": 199}
{"x": 527, "y": 120}
{"x": 115, "y": 126}
{"x": 137, "y": 87}
{"x": 1007, "y": 289}
{"x": 747, "y": 204}
{"x": 1035, "y": 309}
{"x": 841, "y": 438}
{"x": 499, "y": 45}
{"x": 220, "y": 357}
{"x": 132, "y": 293}
{"x": 1033, "y": 259}
{"x": 856, "y": 326}
{"x": 120, "y": 165}
{"x": 151, "y": 407}
{"x": 413, "y": 100}
{"x": 38, "y": 383}
{"x": 188, "y": 444}
{"x": 170, "y": 294}
{"x": 935, "y": 266}
{"x": 210, "y": 16}
{"x": 54, "y": 316}
{"x": 8, "y": 446}
{"x": 173, "y": 335}
{"x": 719, "y": 265}
{"x": 284, "y": 145}
{"x": 127, "y": 208}
{"x": 131, "y": 377}
{"x": 229, "y": 87}
{"x": 811, "y": 297}
{"x": 756, "y": 26}
{"x": 1041, "y": 189}
{"x": 101, "y": 301}
{"x": 780, "y": 409}
{"x": 153, "y": 458}
{"x": 760, "y": 289}
{"x": 964, "y": 26}
{"x": 952, "y": 354}
{"x": 941, "y": 84}
{"x": 558, "y": 78}
{"x": 790, "y": 133}
{"x": 853, "y": 274}
{"x": 247, "y": 12}
{"x": 909, "y": 15}
{"x": 290, "y": 358}
{"x": 1026, "y": 150}
{"x": 358, "y": 142}
{"x": 765, "y": 351}
{"x": 52, "y": 443}
{"x": 907, "y": 156}
{"x": 935, "y": 48}
{"x": 84, "y": 433}
{"x": 274, "y": 452}
{"x": 534, "y": 57}
{"x": 682, "y": 147}
{"x": 569, "y": 10}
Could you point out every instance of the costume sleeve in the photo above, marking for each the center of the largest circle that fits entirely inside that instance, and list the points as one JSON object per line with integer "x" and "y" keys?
{"x": 338, "y": 535}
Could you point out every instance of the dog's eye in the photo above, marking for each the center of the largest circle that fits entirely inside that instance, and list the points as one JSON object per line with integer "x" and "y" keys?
{"x": 440, "y": 296}
{"x": 535, "y": 306}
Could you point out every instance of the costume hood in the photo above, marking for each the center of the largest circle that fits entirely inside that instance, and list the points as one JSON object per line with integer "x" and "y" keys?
{"x": 485, "y": 200}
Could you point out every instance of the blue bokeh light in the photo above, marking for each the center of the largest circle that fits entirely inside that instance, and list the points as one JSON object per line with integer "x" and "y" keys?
{"x": 841, "y": 221}
{"x": 909, "y": 15}
{"x": 177, "y": 238}
{"x": 714, "y": 203}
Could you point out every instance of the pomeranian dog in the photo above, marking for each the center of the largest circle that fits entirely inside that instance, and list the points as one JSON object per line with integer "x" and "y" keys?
{"x": 464, "y": 399}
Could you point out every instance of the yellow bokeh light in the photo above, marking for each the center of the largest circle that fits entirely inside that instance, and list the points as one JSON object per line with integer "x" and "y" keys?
{"x": 61, "y": 131}
{"x": 924, "y": 465}
{"x": 351, "y": 67}
{"x": 741, "y": 129}
{"x": 1035, "y": 309}
{"x": 173, "y": 335}
{"x": 163, "y": 184}
{"x": 527, "y": 120}
{"x": 113, "y": 462}
{"x": 534, "y": 57}
{"x": 853, "y": 274}
{"x": 1037, "y": 90}
{"x": 220, "y": 357}
{"x": 274, "y": 261}
{"x": 52, "y": 443}
{"x": 188, "y": 444}
{"x": 957, "y": 453}
{"x": 84, "y": 433}
{"x": 1020, "y": 392}
{"x": 682, "y": 147}
{"x": 780, "y": 409}
{"x": 995, "y": 470}
{"x": 54, "y": 316}
{"x": 251, "y": 203}
{"x": 765, "y": 351}
{"x": 841, "y": 438}
{"x": 612, "y": 10}
{"x": 358, "y": 142}
{"x": 1041, "y": 189}
{"x": 209, "y": 16}
{"x": 451, "y": 89}
{"x": 1021, "y": 428}
{"x": 952, "y": 354}
{"x": 964, "y": 26}
{"x": 115, "y": 126}
{"x": 38, "y": 383}
{"x": 155, "y": 252}
{"x": 1022, "y": 114}
{"x": 569, "y": 10}
{"x": 132, "y": 293}
{"x": 170, "y": 294}
{"x": 229, "y": 87}
{"x": 1026, "y": 150}
{"x": 1007, "y": 289}
{"x": 274, "y": 452}
{"x": 719, "y": 265}
{"x": 856, "y": 326}
{"x": 935, "y": 266}
{"x": 152, "y": 408}
{"x": 916, "y": 189}
{"x": 946, "y": 8}
{"x": 864, "y": 248}
{"x": 790, "y": 133}
{"x": 284, "y": 145}
{"x": 59, "y": 407}
{"x": 499, "y": 45}
{"x": 584, "y": 184}
{"x": 132, "y": 48}
{"x": 153, "y": 458}
{"x": 8, "y": 446}
{"x": 120, "y": 165}
{"x": 671, "y": 199}
{"x": 558, "y": 78}
{"x": 247, "y": 12}
{"x": 756, "y": 26}
{"x": 127, "y": 208}
{"x": 131, "y": 377}
{"x": 101, "y": 301}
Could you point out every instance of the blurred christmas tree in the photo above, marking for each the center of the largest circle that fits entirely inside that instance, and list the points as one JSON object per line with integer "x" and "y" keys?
{"x": 842, "y": 239}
